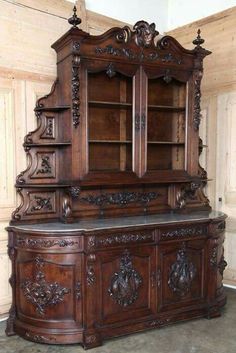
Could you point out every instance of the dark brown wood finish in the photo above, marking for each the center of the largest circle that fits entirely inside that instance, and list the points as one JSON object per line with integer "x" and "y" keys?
{"x": 117, "y": 136}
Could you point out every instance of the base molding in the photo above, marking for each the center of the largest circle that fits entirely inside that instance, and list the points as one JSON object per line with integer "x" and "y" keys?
{"x": 91, "y": 338}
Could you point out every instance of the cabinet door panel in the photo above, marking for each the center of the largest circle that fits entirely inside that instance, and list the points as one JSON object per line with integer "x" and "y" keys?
{"x": 182, "y": 266}
{"x": 125, "y": 284}
{"x": 49, "y": 288}
{"x": 110, "y": 115}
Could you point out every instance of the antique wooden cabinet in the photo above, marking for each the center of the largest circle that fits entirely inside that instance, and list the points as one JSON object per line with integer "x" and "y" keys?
{"x": 114, "y": 233}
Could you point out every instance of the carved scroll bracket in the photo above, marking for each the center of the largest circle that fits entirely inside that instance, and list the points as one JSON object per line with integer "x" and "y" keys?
{"x": 187, "y": 191}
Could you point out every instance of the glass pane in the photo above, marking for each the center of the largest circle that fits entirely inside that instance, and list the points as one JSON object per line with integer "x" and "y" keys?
{"x": 166, "y": 125}
{"x": 110, "y": 122}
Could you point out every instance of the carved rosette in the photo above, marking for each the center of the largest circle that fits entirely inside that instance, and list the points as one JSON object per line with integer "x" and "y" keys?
{"x": 182, "y": 273}
{"x": 125, "y": 283}
{"x": 75, "y": 85}
{"x": 41, "y": 293}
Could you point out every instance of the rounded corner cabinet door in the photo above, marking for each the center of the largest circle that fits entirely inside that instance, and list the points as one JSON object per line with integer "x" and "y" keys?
{"x": 48, "y": 296}
{"x": 125, "y": 289}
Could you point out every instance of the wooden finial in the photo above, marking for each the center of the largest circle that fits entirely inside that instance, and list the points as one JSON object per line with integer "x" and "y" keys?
{"x": 198, "y": 40}
{"x": 74, "y": 20}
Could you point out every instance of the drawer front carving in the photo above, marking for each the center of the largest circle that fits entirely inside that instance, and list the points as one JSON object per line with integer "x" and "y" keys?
{"x": 182, "y": 232}
{"x": 119, "y": 239}
{"x": 62, "y": 243}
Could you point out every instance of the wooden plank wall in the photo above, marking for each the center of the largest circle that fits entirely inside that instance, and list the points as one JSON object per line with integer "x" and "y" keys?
{"x": 218, "y": 128}
{"x": 27, "y": 71}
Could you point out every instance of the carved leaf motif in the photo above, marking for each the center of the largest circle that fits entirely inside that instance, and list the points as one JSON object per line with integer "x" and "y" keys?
{"x": 45, "y": 165}
{"x": 43, "y": 294}
{"x": 120, "y": 198}
{"x": 125, "y": 283}
{"x": 75, "y": 84}
{"x": 132, "y": 55}
{"x": 44, "y": 243}
{"x": 182, "y": 273}
{"x": 197, "y": 102}
{"x": 40, "y": 203}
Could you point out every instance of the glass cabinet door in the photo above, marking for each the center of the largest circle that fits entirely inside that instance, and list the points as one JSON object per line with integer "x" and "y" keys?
{"x": 166, "y": 124}
{"x": 110, "y": 136}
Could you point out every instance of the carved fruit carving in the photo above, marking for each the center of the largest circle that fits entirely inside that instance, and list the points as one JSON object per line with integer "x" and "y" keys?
{"x": 125, "y": 283}
{"x": 182, "y": 273}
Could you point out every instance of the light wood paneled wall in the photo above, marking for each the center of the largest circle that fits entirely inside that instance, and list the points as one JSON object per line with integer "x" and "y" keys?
{"x": 27, "y": 71}
{"x": 218, "y": 128}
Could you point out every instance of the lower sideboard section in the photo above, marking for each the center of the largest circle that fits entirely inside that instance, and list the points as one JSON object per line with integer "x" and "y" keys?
{"x": 84, "y": 287}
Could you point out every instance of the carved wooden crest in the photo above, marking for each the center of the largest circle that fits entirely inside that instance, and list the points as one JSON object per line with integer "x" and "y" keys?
{"x": 182, "y": 273}
{"x": 144, "y": 33}
{"x": 125, "y": 283}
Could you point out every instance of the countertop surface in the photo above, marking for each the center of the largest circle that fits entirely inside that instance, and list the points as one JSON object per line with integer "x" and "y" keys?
{"x": 121, "y": 222}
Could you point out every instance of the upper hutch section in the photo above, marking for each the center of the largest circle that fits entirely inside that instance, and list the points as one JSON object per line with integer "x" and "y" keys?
{"x": 118, "y": 134}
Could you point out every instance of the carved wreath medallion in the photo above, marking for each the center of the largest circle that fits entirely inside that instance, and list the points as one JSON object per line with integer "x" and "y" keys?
{"x": 125, "y": 283}
{"x": 41, "y": 293}
{"x": 182, "y": 273}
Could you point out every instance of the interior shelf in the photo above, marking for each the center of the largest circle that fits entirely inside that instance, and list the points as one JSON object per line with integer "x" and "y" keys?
{"x": 166, "y": 143}
{"x": 109, "y": 141}
{"x": 109, "y": 104}
{"x": 52, "y": 109}
{"x": 48, "y": 144}
{"x": 166, "y": 108}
